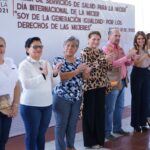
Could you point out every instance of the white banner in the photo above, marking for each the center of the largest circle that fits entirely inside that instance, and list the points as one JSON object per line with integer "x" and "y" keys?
{"x": 55, "y": 20}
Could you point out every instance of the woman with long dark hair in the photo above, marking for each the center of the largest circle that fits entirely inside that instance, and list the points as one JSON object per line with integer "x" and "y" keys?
{"x": 139, "y": 83}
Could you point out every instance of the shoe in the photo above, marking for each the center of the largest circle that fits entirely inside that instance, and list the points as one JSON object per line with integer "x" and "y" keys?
{"x": 122, "y": 132}
{"x": 70, "y": 148}
{"x": 137, "y": 129}
{"x": 110, "y": 137}
{"x": 101, "y": 146}
{"x": 144, "y": 129}
{"x": 94, "y": 147}
{"x": 148, "y": 121}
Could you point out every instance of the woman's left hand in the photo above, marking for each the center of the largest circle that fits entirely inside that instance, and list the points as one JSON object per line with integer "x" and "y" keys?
{"x": 87, "y": 70}
{"x": 57, "y": 69}
{"x": 13, "y": 111}
{"x": 86, "y": 73}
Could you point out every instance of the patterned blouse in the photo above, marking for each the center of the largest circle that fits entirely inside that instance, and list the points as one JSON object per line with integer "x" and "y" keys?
{"x": 70, "y": 89}
{"x": 95, "y": 58}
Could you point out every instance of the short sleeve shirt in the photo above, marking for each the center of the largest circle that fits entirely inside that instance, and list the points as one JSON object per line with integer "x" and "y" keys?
{"x": 70, "y": 89}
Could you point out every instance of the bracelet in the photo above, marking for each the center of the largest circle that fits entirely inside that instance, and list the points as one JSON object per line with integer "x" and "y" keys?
{"x": 55, "y": 75}
{"x": 44, "y": 76}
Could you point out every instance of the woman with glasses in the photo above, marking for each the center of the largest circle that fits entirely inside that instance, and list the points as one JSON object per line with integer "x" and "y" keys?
{"x": 36, "y": 77}
{"x": 140, "y": 77}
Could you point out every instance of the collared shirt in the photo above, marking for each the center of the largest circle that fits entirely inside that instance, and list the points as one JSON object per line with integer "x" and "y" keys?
{"x": 8, "y": 78}
{"x": 70, "y": 89}
{"x": 37, "y": 91}
{"x": 119, "y": 59}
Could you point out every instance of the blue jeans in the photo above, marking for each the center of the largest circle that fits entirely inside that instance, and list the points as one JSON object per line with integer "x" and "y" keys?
{"x": 5, "y": 123}
{"x": 66, "y": 115}
{"x": 114, "y": 108}
{"x": 36, "y": 121}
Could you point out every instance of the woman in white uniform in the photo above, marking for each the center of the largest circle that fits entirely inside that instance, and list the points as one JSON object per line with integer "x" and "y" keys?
{"x": 9, "y": 93}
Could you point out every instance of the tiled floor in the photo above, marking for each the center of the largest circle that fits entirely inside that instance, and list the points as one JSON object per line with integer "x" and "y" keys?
{"x": 78, "y": 144}
{"x": 135, "y": 141}
{"x": 79, "y": 140}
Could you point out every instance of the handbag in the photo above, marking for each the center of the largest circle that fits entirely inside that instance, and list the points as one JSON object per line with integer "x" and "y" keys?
{"x": 5, "y": 104}
{"x": 115, "y": 78}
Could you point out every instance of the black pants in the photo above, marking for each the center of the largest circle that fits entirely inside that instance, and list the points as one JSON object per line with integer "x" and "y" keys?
{"x": 5, "y": 123}
{"x": 139, "y": 91}
{"x": 94, "y": 117}
{"x": 148, "y": 92}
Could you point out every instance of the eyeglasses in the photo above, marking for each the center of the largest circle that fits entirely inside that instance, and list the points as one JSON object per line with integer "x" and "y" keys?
{"x": 37, "y": 46}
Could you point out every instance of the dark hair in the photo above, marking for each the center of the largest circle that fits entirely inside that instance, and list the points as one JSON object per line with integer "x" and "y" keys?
{"x": 1, "y": 38}
{"x": 135, "y": 40}
{"x": 94, "y": 32}
{"x": 29, "y": 41}
{"x": 148, "y": 36}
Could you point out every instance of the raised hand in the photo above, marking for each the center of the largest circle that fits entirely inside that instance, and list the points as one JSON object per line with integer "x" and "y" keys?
{"x": 82, "y": 67}
{"x": 110, "y": 57}
{"x": 57, "y": 69}
{"x": 131, "y": 53}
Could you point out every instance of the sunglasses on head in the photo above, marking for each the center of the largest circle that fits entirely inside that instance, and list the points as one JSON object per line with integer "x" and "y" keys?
{"x": 37, "y": 46}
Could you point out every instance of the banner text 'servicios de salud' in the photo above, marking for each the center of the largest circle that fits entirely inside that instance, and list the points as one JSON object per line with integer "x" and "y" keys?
{"x": 55, "y": 20}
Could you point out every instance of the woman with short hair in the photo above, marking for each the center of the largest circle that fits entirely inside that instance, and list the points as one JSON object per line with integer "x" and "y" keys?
{"x": 68, "y": 95}
{"x": 36, "y": 77}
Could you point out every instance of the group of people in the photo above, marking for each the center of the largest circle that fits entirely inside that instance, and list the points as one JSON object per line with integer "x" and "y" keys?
{"x": 96, "y": 81}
